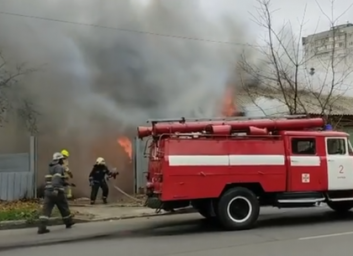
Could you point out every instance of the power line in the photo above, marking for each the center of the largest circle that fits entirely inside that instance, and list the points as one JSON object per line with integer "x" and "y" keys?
{"x": 128, "y": 30}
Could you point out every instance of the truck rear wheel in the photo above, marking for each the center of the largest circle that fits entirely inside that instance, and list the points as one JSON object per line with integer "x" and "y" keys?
{"x": 340, "y": 207}
{"x": 238, "y": 209}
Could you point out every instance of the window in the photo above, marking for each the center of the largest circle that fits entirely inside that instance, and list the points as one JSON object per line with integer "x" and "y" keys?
{"x": 304, "y": 146}
{"x": 336, "y": 146}
{"x": 350, "y": 148}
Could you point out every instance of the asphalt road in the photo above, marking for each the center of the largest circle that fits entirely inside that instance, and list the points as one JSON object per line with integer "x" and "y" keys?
{"x": 280, "y": 232}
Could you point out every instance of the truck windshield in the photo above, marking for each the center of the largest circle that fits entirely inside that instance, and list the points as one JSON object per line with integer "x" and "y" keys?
{"x": 350, "y": 149}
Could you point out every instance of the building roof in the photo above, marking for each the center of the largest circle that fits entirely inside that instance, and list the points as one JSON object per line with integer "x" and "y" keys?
{"x": 308, "y": 102}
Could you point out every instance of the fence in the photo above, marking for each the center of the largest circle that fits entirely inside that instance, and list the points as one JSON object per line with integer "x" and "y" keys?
{"x": 17, "y": 174}
{"x": 140, "y": 165}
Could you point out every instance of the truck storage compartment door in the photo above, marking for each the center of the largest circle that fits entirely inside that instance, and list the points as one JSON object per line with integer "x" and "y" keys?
{"x": 306, "y": 172}
{"x": 195, "y": 168}
{"x": 339, "y": 164}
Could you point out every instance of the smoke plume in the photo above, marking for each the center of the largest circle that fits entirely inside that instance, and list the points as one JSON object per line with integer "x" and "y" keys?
{"x": 97, "y": 78}
{"x": 262, "y": 107}
{"x": 99, "y": 81}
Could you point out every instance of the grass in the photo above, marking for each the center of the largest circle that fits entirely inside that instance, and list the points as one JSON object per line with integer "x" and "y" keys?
{"x": 28, "y": 210}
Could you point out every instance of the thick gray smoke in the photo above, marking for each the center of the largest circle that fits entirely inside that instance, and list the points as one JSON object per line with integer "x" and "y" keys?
{"x": 98, "y": 83}
{"x": 263, "y": 106}
{"x": 97, "y": 79}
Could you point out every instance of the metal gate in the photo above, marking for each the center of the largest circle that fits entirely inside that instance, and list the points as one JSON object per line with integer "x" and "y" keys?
{"x": 140, "y": 164}
{"x": 17, "y": 174}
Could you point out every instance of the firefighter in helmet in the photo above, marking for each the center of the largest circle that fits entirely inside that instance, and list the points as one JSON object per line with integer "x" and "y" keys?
{"x": 97, "y": 179}
{"x": 54, "y": 195}
{"x": 68, "y": 173}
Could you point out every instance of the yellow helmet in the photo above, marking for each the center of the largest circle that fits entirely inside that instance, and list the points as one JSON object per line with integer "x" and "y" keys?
{"x": 65, "y": 153}
{"x": 100, "y": 160}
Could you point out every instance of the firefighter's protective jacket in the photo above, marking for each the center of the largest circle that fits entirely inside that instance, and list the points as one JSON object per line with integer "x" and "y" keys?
{"x": 55, "y": 180}
{"x": 68, "y": 173}
{"x": 98, "y": 173}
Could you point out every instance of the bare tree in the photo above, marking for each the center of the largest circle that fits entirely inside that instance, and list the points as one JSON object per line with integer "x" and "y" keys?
{"x": 285, "y": 72}
{"x": 13, "y": 102}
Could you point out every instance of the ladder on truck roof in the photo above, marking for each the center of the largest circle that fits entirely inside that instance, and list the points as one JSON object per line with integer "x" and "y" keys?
{"x": 239, "y": 118}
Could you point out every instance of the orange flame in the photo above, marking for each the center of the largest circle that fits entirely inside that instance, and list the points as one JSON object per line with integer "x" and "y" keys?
{"x": 228, "y": 108}
{"x": 126, "y": 144}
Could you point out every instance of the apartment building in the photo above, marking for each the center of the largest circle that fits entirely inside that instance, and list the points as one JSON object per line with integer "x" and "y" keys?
{"x": 320, "y": 44}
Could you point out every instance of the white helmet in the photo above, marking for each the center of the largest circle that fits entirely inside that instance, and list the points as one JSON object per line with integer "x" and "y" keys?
{"x": 100, "y": 160}
{"x": 57, "y": 156}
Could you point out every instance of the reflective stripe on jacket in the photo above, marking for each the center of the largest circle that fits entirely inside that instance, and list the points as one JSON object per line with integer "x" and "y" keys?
{"x": 55, "y": 180}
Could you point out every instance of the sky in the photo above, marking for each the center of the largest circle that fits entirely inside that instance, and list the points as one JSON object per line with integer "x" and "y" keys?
{"x": 292, "y": 11}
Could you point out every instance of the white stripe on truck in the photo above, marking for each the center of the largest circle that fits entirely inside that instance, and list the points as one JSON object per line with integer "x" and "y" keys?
{"x": 241, "y": 160}
{"x": 305, "y": 161}
{"x": 197, "y": 160}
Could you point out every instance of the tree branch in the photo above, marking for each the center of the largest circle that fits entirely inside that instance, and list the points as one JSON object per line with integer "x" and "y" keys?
{"x": 12, "y": 100}
{"x": 283, "y": 68}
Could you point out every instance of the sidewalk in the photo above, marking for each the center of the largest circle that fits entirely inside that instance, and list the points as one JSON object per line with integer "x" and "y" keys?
{"x": 111, "y": 212}
{"x": 89, "y": 213}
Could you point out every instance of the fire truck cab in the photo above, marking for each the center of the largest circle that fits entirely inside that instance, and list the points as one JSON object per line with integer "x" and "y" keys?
{"x": 227, "y": 169}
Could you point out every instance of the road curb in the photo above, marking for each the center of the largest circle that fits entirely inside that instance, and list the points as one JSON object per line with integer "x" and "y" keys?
{"x": 41, "y": 241}
{"x": 142, "y": 215}
{"x": 22, "y": 224}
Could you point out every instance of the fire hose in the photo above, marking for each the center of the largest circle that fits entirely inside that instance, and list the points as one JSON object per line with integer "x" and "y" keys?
{"x": 123, "y": 192}
{"x": 138, "y": 200}
{"x": 127, "y": 195}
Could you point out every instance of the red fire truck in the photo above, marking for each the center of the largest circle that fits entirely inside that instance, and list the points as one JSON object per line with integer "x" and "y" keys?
{"x": 226, "y": 169}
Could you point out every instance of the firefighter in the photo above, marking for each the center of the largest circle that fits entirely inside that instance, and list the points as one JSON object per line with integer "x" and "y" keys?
{"x": 97, "y": 179}
{"x": 54, "y": 195}
{"x": 68, "y": 173}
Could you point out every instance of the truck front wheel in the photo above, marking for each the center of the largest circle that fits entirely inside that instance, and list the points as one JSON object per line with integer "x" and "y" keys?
{"x": 340, "y": 207}
{"x": 238, "y": 209}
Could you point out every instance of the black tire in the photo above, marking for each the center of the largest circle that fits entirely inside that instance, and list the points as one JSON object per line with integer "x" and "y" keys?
{"x": 340, "y": 207}
{"x": 247, "y": 199}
